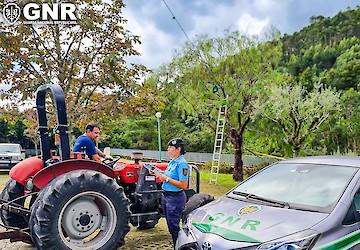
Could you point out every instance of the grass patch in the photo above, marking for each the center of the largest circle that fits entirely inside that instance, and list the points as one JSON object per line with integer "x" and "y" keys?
{"x": 224, "y": 180}
{"x": 4, "y": 177}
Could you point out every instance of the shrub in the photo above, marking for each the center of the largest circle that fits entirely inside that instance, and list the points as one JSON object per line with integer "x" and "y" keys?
{"x": 226, "y": 168}
{"x": 248, "y": 171}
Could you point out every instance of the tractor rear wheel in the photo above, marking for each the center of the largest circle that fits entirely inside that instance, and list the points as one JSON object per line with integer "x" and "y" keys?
{"x": 13, "y": 190}
{"x": 81, "y": 209}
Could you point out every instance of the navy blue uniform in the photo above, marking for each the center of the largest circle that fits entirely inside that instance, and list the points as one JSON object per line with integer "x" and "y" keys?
{"x": 85, "y": 144}
{"x": 174, "y": 199}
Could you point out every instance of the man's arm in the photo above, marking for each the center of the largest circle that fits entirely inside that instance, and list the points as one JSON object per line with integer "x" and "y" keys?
{"x": 99, "y": 152}
{"x": 96, "y": 157}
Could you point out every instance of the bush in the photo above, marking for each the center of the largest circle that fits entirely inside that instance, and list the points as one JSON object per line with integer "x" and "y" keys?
{"x": 248, "y": 171}
{"x": 227, "y": 168}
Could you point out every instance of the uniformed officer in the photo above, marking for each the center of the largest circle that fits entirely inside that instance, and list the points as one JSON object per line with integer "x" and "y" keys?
{"x": 175, "y": 180}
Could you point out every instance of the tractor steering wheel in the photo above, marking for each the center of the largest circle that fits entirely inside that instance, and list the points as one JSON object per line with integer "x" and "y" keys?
{"x": 110, "y": 162}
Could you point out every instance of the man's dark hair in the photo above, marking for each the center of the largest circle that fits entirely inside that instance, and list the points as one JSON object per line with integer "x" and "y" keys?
{"x": 91, "y": 126}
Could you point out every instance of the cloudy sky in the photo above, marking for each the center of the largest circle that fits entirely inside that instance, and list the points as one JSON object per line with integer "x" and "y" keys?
{"x": 161, "y": 34}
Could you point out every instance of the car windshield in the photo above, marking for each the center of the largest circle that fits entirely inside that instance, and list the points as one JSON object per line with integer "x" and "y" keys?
{"x": 303, "y": 186}
{"x": 8, "y": 148}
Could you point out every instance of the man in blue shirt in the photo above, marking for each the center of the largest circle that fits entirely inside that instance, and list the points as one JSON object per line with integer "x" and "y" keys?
{"x": 175, "y": 180}
{"x": 85, "y": 143}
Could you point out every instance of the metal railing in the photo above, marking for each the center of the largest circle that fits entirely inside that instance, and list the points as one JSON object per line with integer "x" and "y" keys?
{"x": 249, "y": 160}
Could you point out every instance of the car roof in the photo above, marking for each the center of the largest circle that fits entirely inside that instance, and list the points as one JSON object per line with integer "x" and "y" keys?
{"x": 351, "y": 161}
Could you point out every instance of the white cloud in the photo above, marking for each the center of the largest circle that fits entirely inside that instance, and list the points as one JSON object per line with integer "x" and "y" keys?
{"x": 251, "y": 25}
{"x": 161, "y": 35}
{"x": 156, "y": 45}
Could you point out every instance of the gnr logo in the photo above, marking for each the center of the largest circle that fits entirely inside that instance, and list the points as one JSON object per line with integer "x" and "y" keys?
{"x": 33, "y": 13}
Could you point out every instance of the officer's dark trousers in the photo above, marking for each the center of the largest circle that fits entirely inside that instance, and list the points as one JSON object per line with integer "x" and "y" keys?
{"x": 173, "y": 204}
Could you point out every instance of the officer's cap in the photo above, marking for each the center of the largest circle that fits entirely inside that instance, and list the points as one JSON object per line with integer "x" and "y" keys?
{"x": 176, "y": 142}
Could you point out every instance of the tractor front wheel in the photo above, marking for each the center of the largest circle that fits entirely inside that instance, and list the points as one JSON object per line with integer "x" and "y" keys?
{"x": 80, "y": 210}
{"x": 148, "y": 224}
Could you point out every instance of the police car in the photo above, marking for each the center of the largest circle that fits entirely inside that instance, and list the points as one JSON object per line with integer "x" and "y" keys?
{"x": 300, "y": 203}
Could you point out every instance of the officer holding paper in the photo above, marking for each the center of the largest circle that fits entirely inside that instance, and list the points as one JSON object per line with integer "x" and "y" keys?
{"x": 175, "y": 180}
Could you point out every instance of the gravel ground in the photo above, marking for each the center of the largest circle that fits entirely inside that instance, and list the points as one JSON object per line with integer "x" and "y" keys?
{"x": 155, "y": 238}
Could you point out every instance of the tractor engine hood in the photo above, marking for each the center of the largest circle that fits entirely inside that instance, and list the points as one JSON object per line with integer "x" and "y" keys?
{"x": 249, "y": 223}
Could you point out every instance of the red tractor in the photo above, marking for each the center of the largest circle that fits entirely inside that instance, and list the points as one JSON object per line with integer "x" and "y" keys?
{"x": 76, "y": 203}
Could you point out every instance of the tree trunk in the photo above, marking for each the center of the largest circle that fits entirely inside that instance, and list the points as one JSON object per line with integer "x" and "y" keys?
{"x": 296, "y": 149}
{"x": 238, "y": 165}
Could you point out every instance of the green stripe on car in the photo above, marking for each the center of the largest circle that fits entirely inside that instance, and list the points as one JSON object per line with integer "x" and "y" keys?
{"x": 344, "y": 242}
{"x": 224, "y": 232}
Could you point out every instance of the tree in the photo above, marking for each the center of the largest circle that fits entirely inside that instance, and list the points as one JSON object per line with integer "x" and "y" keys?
{"x": 350, "y": 118}
{"x": 345, "y": 73}
{"x": 88, "y": 60}
{"x": 298, "y": 113}
{"x": 322, "y": 30}
{"x": 238, "y": 66}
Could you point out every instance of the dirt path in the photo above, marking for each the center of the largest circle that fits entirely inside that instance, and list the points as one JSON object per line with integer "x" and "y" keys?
{"x": 156, "y": 238}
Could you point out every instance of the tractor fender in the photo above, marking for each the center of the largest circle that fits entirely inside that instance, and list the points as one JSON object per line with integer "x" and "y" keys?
{"x": 44, "y": 176}
{"x": 26, "y": 168}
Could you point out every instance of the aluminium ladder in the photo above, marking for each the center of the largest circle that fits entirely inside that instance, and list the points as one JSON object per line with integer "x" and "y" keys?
{"x": 219, "y": 137}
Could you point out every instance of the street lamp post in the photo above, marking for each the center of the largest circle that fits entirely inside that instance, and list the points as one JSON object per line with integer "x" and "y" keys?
{"x": 158, "y": 116}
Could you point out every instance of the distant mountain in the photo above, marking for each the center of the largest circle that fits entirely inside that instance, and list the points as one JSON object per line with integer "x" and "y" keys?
{"x": 324, "y": 30}
{"x": 327, "y": 51}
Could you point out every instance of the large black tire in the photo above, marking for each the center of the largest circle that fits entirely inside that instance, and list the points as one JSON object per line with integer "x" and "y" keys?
{"x": 80, "y": 210}
{"x": 195, "y": 201}
{"x": 13, "y": 190}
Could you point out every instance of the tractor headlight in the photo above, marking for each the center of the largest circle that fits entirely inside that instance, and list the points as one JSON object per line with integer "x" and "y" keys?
{"x": 29, "y": 185}
{"x": 303, "y": 240}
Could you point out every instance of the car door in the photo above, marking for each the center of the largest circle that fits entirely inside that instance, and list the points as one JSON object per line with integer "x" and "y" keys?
{"x": 351, "y": 225}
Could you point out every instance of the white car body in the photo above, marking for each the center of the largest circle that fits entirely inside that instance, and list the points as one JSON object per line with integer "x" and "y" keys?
{"x": 10, "y": 155}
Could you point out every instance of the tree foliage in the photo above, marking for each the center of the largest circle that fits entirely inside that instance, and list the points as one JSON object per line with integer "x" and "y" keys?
{"x": 298, "y": 113}
{"x": 237, "y": 65}
{"x": 267, "y": 111}
{"x": 88, "y": 60}
{"x": 323, "y": 30}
